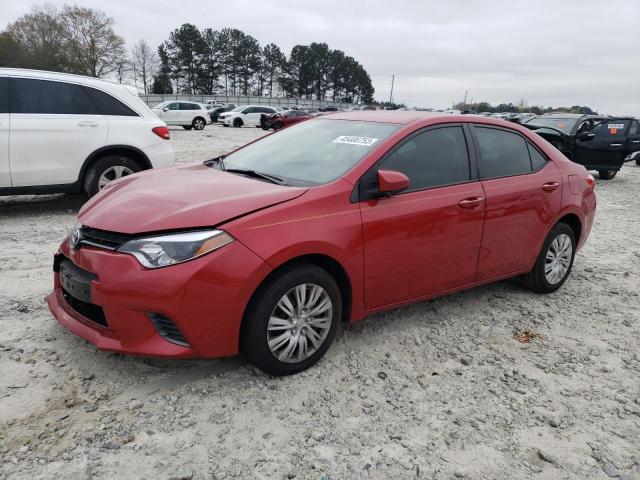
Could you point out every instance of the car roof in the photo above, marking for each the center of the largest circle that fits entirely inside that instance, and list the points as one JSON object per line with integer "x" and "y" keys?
{"x": 69, "y": 77}
{"x": 393, "y": 116}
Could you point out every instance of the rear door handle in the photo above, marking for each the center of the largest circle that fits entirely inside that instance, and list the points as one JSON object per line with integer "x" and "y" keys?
{"x": 615, "y": 144}
{"x": 471, "y": 202}
{"x": 635, "y": 141}
{"x": 550, "y": 186}
{"x": 87, "y": 124}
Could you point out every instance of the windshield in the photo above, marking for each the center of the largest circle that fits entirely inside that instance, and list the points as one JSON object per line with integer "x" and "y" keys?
{"x": 565, "y": 125}
{"x": 313, "y": 152}
{"x": 239, "y": 109}
{"x": 160, "y": 105}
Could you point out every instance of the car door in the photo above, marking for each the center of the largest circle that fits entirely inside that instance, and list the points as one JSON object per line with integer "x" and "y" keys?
{"x": 605, "y": 146}
{"x": 54, "y": 128}
{"x": 5, "y": 173}
{"x": 251, "y": 116}
{"x": 171, "y": 114}
{"x": 634, "y": 138}
{"x": 523, "y": 195}
{"x": 426, "y": 239}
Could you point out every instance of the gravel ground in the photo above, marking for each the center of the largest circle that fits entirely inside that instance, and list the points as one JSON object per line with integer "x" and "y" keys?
{"x": 442, "y": 389}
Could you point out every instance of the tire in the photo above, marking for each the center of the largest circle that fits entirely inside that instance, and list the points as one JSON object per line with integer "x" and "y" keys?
{"x": 225, "y": 125}
{"x": 607, "y": 174}
{"x": 277, "y": 125}
{"x": 537, "y": 279}
{"x": 199, "y": 123}
{"x": 638, "y": 161}
{"x": 187, "y": 127}
{"x": 264, "y": 308}
{"x": 111, "y": 167}
{"x": 237, "y": 122}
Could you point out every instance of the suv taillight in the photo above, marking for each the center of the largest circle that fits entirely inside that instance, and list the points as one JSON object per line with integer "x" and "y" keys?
{"x": 162, "y": 132}
{"x": 591, "y": 181}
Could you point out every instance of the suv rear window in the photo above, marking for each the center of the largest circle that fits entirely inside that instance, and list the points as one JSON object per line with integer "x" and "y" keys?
{"x": 45, "y": 96}
{"x": 107, "y": 105}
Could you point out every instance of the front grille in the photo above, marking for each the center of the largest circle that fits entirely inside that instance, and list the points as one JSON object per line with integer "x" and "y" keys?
{"x": 102, "y": 238}
{"x": 167, "y": 329}
{"x": 88, "y": 310}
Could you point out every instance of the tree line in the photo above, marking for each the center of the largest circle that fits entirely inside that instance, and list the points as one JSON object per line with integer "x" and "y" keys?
{"x": 205, "y": 62}
{"x": 231, "y": 62}
{"x": 521, "y": 107}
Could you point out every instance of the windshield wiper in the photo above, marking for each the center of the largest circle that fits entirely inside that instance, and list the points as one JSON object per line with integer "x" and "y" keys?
{"x": 252, "y": 173}
{"x": 218, "y": 160}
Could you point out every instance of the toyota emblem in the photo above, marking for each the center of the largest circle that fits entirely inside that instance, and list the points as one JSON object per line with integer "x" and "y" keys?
{"x": 75, "y": 236}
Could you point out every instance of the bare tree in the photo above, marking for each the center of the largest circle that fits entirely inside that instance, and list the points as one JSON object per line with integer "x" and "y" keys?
{"x": 95, "y": 48}
{"x": 145, "y": 64}
{"x": 124, "y": 67}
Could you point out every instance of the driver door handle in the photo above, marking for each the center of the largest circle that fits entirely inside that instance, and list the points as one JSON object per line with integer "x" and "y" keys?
{"x": 471, "y": 202}
{"x": 615, "y": 144}
{"x": 635, "y": 141}
{"x": 550, "y": 186}
{"x": 87, "y": 123}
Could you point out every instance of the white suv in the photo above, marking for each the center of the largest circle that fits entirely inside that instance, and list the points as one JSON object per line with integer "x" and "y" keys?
{"x": 188, "y": 115}
{"x": 245, "y": 115}
{"x": 68, "y": 133}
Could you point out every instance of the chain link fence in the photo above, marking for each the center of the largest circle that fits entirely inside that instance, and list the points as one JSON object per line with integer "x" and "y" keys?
{"x": 237, "y": 100}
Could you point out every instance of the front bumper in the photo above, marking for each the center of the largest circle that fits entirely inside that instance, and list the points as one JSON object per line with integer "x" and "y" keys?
{"x": 204, "y": 298}
{"x": 224, "y": 121}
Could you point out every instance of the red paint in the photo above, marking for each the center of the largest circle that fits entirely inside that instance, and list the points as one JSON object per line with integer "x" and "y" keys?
{"x": 390, "y": 181}
{"x": 394, "y": 250}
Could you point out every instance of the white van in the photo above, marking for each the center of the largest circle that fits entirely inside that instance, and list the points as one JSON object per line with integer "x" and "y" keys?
{"x": 69, "y": 133}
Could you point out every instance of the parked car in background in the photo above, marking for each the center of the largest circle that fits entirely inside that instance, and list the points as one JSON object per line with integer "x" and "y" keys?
{"x": 328, "y": 108}
{"x": 215, "y": 113}
{"x": 186, "y": 114}
{"x": 267, "y": 250}
{"x": 283, "y": 119}
{"x": 248, "y": 115}
{"x": 597, "y": 142}
{"x": 69, "y": 133}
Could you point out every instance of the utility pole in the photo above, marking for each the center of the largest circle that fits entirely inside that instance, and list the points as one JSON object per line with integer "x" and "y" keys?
{"x": 465, "y": 98}
{"x": 393, "y": 77}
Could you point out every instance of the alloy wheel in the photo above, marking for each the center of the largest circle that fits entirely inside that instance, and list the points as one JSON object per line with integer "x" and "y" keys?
{"x": 198, "y": 124}
{"x": 113, "y": 173}
{"x": 558, "y": 259}
{"x": 299, "y": 323}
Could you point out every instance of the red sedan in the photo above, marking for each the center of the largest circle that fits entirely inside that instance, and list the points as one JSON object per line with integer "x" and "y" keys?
{"x": 266, "y": 250}
{"x": 280, "y": 120}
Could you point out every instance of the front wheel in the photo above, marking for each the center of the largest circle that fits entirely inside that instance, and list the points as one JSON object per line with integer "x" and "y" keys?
{"x": 292, "y": 320}
{"x": 607, "y": 174}
{"x": 554, "y": 262}
{"x": 277, "y": 125}
{"x": 198, "y": 123}
{"x": 237, "y": 123}
{"x": 106, "y": 170}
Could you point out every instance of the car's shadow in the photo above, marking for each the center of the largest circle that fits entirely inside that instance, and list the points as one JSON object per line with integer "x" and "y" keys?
{"x": 36, "y": 205}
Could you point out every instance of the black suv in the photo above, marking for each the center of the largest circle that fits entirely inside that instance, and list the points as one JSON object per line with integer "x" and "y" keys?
{"x": 215, "y": 113}
{"x": 599, "y": 143}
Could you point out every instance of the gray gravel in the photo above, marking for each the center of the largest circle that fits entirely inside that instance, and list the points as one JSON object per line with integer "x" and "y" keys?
{"x": 438, "y": 390}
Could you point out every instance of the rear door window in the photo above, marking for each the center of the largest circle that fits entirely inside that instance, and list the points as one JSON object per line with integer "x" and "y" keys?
{"x": 49, "y": 97}
{"x": 188, "y": 106}
{"x": 4, "y": 94}
{"x": 433, "y": 158}
{"x": 502, "y": 153}
{"x": 108, "y": 105}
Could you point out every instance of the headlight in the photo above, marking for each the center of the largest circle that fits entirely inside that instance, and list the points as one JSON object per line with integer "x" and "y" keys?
{"x": 165, "y": 250}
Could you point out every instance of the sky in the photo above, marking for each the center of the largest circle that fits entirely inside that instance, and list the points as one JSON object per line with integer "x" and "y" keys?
{"x": 547, "y": 52}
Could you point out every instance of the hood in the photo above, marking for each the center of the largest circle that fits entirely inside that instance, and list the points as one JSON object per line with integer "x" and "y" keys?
{"x": 187, "y": 196}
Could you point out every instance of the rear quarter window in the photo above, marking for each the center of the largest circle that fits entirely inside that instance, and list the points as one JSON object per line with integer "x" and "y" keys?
{"x": 108, "y": 105}
{"x": 4, "y": 95}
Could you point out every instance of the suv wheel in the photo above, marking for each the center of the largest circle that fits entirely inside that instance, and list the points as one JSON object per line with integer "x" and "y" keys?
{"x": 238, "y": 122}
{"x": 187, "y": 127}
{"x": 106, "y": 170}
{"x": 607, "y": 174}
{"x": 292, "y": 320}
{"x": 554, "y": 262}
{"x": 198, "y": 123}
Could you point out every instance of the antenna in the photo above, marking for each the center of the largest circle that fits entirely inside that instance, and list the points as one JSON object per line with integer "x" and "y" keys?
{"x": 393, "y": 77}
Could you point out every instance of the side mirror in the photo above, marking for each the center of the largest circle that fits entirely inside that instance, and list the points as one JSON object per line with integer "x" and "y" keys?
{"x": 392, "y": 181}
{"x": 586, "y": 136}
{"x": 165, "y": 109}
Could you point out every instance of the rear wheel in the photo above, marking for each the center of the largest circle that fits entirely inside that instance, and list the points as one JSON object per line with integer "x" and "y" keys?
{"x": 277, "y": 125}
{"x": 106, "y": 170}
{"x": 638, "y": 161}
{"x": 237, "y": 122}
{"x": 607, "y": 174}
{"x": 554, "y": 262}
{"x": 199, "y": 123}
{"x": 292, "y": 320}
